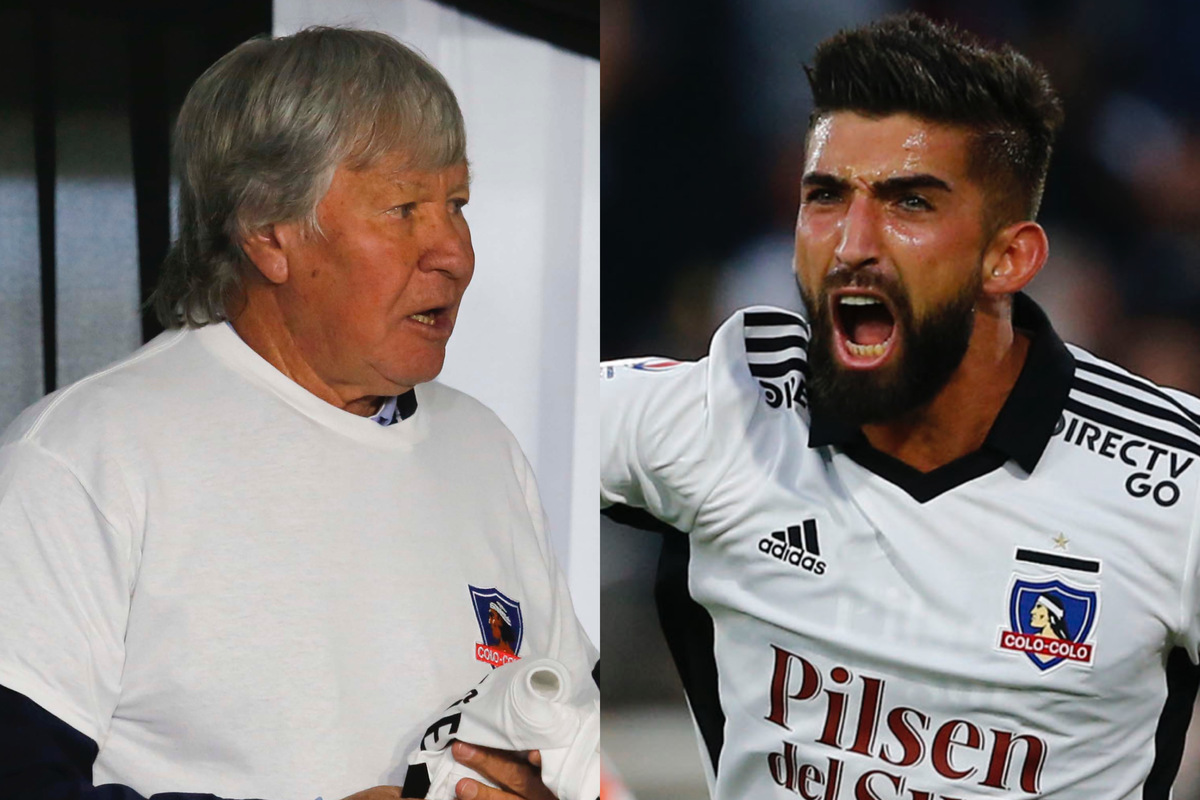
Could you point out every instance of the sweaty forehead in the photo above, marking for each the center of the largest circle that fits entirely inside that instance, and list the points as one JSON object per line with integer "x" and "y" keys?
{"x": 851, "y": 146}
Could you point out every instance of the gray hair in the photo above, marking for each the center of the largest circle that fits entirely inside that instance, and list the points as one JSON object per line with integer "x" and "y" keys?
{"x": 261, "y": 133}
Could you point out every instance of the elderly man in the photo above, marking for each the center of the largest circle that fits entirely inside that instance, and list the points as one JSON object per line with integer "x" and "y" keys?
{"x": 254, "y": 557}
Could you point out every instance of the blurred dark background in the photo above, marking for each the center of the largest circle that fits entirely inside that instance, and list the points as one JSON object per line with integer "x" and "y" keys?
{"x": 704, "y": 109}
{"x": 88, "y": 95}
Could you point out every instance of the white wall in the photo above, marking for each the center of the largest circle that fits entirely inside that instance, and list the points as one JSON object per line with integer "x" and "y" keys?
{"x": 527, "y": 339}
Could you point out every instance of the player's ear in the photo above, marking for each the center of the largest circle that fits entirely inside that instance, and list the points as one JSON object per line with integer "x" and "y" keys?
{"x": 267, "y": 249}
{"x": 1016, "y": 253}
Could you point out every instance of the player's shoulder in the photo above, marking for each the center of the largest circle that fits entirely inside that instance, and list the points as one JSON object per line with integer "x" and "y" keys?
{"x": 770, "y": 340}
{"x": 1109, "y": 395}
{"x": 764, "y": 351}
{"x": 773, "y": 343}
{"x": 758, "y": 355}
{"x": 1119, "y": 426}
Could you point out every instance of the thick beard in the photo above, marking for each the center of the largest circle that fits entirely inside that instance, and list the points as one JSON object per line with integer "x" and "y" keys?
{"x": 931, "y": 350}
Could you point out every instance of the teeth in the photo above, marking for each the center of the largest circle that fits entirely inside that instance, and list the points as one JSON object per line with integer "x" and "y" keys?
{"x": 867, "y": 350}
{"x": 858, "y": 300}
{"x": 424, "y": 319}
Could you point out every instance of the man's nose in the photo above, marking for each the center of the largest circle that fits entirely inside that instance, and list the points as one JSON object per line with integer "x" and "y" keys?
{"x": 446, "y": 245}
{"x": 859, "y": 241}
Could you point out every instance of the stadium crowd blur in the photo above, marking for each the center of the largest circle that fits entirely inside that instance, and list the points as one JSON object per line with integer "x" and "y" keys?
{"x": 704, "y": 108}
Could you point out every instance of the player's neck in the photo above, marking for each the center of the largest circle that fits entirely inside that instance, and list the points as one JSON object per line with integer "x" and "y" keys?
{"x": 957, "y": 421}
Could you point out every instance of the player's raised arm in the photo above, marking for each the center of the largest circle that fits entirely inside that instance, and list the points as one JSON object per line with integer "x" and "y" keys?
{"x": 669, "y": 430}
{"x": 652, "y": 412}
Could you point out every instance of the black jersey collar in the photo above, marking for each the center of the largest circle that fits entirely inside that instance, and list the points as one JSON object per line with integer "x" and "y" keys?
{"x": 1021, "y": 431}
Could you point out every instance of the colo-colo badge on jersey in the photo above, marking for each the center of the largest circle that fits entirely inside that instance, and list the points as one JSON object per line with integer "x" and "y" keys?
{"x": 1051, "y": 619}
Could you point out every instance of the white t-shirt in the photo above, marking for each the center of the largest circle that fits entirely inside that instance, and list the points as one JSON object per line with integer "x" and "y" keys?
{"x": 234, "y": 587}
{"x": 1003, "y": 626}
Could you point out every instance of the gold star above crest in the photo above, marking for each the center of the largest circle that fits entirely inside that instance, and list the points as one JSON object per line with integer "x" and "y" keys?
{"x": 1060, "y": 542}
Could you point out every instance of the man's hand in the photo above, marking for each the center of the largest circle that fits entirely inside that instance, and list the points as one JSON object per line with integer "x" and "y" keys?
{"x": 378, "y": 793}
{"x": 519, "y": 774}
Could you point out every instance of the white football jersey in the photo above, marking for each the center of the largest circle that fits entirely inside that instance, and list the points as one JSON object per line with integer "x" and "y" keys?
{"x": 1019, "y": 623}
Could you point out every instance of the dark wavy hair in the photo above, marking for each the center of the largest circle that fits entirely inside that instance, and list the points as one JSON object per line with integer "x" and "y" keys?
{"x": 909, "y": 64}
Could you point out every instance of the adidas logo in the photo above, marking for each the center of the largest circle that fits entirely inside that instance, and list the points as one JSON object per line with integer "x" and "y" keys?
{"x": 797, "y": 546}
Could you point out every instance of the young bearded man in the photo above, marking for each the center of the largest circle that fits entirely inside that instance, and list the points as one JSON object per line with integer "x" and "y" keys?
{"x": 878, "y": 498}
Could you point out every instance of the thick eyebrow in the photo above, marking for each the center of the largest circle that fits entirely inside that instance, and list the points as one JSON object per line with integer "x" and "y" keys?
{"x": 823, "y": 180}
{"x": 889, "y": 187}
{"x": 907, "y": 183}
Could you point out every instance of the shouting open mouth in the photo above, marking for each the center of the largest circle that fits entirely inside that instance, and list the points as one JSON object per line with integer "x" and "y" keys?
{"x": 865, "y": 329}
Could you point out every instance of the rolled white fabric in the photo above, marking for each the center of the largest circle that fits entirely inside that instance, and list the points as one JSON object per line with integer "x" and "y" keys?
{"x": 529, "y": 704}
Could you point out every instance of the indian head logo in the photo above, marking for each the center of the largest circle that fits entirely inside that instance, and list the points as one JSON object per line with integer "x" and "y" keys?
{"x": 500, "y": 625}
{"x": 1050, "y": 621}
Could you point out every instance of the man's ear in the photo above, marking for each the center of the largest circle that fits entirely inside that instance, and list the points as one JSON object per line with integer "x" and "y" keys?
{"x": 1015, "y": 255}
{"x": 265, "y": 249}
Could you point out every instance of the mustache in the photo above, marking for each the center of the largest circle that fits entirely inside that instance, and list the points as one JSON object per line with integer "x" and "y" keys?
{"x": 866, "y": 279}
{"x": 861, "y": 279}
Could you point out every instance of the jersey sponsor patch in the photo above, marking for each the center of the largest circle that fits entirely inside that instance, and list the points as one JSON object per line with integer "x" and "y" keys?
{"x": 500, "y": 625}
{"x": 1155, "y": 463}
{"x": 868, "y": 740}
{"x": 1050, "y": 621}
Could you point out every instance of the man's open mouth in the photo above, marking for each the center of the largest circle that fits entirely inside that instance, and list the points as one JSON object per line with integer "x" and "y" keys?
{"x": 429, "y": 317}
{"x": 865, "y": 327}
{"x": 435, "y": 319}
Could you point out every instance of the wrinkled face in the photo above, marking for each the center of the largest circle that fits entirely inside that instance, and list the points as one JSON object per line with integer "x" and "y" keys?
{"x": 889, "y": 243}
{"x": 372, "y": 298}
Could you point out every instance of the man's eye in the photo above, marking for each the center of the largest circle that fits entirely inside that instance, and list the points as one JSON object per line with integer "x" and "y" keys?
{"x": 821, "y": 196}
{"x": 404, "y": 211}
{"x": 458, "y": 203}
{"x": 914, "y": 202}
